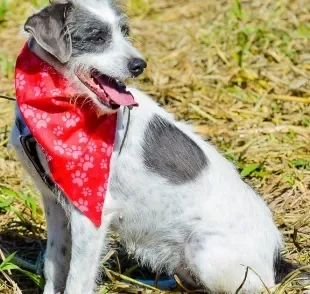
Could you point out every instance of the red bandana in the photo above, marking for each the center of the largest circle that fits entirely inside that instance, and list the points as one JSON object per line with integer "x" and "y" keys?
{"x": 77, "y": 143}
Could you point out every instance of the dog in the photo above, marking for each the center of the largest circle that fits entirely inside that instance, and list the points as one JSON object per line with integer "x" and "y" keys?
{"x": 180, "y": 207}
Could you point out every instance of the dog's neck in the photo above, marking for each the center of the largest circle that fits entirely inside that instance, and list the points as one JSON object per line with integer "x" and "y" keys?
{"x": 45, "y": 56}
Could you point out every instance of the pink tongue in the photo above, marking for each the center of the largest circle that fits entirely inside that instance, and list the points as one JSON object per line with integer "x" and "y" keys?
{"x": 117, "y": 93}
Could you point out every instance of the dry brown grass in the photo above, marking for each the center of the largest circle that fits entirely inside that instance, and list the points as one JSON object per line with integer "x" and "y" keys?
{"x": 238, "y": 71}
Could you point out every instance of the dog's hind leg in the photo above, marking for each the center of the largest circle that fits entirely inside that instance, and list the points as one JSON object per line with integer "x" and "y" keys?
{"x": 222, "y": 267}
{"x": 57, "y": 257}
{"x": 88, "y": 245}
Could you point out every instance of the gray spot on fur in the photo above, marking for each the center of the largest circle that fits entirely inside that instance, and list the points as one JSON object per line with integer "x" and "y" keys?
{"x": 63, "y": 250}
{"x": 66, "y": 30}
{"x": 170, "y": 153}
{"x": 88, "y": 33}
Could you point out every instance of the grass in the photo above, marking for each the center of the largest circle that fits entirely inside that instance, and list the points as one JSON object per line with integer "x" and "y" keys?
{"x": 238, "y": 70}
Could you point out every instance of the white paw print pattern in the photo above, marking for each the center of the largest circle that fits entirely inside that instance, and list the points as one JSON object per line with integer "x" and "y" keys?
{"x": 20, "y": 81}
{"x": 79, "y": 178}
{"x": 82, "y": 137}
{"x": 92, "y": 147}
{"x": 104, "y": 164}
{"x": 70, "y": 119}
{"x": 58, "y": 131}
{"x": 86, "y": 162}
{"x": 56, "y": 101}
{"x": 55, "y": 92}
{"x": 74, "y": 151}
{"x": 105, "y": 148}
{"x": 39, "y": 89}
{"x": 87, "y": 192}
{"x": 103, "y": 189}
{"x": 81, "y": 204}
{"x": 27, "y": 111}
{"x": 59, "y": 146}
{"x": 70, "y": 165}
{"x": 41, "y": 120}
{"x": 44, "y": 74}
{"x": 99, "y": 207}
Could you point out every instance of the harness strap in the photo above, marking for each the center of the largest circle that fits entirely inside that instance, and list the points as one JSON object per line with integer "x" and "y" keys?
{"x": 29, "y": 145}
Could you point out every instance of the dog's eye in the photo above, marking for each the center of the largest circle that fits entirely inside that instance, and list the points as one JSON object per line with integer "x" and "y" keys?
{"x": 125, "y": 30}
{"x": 96, "y": 39}
{"x": 95, "y": 36}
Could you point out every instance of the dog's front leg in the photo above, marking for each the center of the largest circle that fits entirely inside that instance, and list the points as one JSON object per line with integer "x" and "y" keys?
{"x": 88, "y": 245}
{"x": 57, "y": 258}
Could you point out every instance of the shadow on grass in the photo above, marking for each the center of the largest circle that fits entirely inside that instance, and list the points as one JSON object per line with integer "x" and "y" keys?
{"x": 29, "y": 256}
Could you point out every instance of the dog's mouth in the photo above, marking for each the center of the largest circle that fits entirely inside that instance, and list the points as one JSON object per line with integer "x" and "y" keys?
{"x": 110, "y": 92}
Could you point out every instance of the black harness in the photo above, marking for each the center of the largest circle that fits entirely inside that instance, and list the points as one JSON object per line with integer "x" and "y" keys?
{"x": 30, "y": 145}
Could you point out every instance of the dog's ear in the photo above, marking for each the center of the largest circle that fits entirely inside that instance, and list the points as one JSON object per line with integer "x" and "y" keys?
{"x": 49, "y": 29}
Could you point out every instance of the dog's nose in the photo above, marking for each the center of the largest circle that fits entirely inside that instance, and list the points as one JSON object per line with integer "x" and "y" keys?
{"x": 136, "y": 66}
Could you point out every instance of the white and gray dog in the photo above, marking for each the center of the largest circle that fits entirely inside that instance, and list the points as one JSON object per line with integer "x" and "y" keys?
{"x": 180, "y": 207}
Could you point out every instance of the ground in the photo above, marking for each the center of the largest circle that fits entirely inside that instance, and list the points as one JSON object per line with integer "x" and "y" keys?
{"x": 238, "y": 70}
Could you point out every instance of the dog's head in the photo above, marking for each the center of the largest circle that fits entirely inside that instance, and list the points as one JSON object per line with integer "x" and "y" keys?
{"x": 90, "y": 39}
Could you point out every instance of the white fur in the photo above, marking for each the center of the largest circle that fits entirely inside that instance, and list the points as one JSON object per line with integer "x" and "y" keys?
{"x": 236, "y": 228}
{"x": 212, "y": 227}
{"x": 113, "y": 61}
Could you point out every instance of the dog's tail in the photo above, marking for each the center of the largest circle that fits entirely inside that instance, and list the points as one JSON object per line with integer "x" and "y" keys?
{"x": 283, "y": 267}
